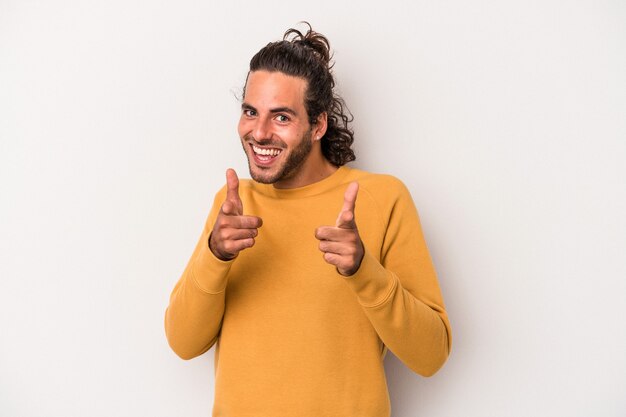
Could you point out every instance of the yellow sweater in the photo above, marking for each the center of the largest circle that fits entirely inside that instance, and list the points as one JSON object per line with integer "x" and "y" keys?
{"x": 294, "y": 337}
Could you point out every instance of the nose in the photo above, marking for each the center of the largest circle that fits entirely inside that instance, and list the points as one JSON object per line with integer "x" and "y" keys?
{"x": 262, "y": 130}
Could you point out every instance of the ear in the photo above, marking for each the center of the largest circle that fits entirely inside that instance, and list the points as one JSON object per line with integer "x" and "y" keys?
{"x": 319, "y": 129}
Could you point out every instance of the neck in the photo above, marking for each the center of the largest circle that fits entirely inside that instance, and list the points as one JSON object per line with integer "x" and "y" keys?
{"x": 315, "y": 168}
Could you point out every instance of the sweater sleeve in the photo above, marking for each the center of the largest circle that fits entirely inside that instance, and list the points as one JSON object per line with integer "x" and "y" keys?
{"x": 194, "y": 316}
{"x": 400, "y": 294}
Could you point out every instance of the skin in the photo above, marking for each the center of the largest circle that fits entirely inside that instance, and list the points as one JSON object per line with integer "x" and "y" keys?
{"x": 274, "y": 118}
{"x": 341, "y": 244}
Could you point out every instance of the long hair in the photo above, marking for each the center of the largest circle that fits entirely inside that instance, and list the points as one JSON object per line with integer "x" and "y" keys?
{"x": 308, "y": 56}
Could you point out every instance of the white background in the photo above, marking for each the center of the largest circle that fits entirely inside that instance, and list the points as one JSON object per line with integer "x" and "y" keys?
{"x": 506, "y": 120}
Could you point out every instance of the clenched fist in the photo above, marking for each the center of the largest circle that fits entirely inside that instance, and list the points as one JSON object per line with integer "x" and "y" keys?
{"x": 232, "y": 231}
{"x": 341, "y": 244}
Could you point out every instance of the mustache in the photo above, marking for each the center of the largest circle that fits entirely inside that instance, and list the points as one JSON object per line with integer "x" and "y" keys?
{"x": 265, "y": 142}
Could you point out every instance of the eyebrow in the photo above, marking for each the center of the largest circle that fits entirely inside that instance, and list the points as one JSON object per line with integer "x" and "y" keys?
{"x": 246, "y": 106}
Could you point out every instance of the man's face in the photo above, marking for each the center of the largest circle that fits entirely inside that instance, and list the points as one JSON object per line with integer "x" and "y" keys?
{"x": 274, "y": 126}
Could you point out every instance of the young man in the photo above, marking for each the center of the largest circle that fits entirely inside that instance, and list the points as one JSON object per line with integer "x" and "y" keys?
{"x": 301, "y": 287}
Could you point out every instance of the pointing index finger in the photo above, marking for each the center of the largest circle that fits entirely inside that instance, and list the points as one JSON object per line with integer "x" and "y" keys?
{"x": 232, "y": 184}
{"x": 349, "y": 198}
{"x": 232, "y": 192}
{"x": 346, "y": 216}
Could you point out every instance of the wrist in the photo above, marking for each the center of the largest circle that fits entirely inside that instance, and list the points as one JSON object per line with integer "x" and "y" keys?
{"x": 216, "y": 252}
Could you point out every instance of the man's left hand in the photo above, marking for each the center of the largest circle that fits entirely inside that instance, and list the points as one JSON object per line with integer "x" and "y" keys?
{"x": 341, "y": 244}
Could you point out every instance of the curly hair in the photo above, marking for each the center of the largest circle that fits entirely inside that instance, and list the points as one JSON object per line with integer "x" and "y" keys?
{"x": 308, "y": 56}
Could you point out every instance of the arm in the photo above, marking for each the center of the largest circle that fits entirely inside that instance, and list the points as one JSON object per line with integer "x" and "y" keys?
{"x": 194, "y": 316}
{"x": 399, "y": 294}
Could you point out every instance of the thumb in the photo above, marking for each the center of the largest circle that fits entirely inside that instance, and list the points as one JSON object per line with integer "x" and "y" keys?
{"x": 345, "y": 220}
{"x": 233, "y": 204}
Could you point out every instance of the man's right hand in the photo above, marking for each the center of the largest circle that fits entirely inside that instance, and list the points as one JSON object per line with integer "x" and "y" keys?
{"x": 232, "y": 231}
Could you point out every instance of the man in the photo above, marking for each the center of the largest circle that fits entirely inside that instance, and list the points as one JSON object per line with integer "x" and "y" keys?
{"x": 302, "y": 289}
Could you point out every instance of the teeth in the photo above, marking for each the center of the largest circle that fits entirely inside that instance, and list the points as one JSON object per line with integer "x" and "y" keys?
{"x": 269, "y": 152}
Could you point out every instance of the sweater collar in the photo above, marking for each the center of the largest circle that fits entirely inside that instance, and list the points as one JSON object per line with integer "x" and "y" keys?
{"x": 328, "y": 183}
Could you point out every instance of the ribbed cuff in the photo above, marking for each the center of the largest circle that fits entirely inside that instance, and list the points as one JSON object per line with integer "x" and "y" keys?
{"x": 372, "y": 283}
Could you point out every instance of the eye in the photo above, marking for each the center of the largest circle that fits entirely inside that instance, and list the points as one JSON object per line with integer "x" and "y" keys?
{"x": 249, "y": 112}
{"x": 282, "y": 118}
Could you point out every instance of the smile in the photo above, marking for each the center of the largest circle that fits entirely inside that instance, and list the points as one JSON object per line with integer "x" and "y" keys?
{"x": 265, "y": 155}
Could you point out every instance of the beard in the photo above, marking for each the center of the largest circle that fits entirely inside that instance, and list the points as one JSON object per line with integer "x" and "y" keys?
{"x": 288, "y": 168}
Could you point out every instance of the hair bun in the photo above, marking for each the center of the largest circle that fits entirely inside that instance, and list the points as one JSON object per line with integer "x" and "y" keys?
{"x": 312, "y": 40}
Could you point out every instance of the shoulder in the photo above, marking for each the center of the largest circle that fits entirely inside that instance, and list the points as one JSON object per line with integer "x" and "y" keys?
{"x": 246, "y": 186}
{"x": 382, "y": 187}
{"x": 220, "y": 195}
{"x": 384, "y": 197}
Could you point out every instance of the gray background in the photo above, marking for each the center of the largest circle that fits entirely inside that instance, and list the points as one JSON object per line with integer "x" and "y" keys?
{"x": 506, "y": 120}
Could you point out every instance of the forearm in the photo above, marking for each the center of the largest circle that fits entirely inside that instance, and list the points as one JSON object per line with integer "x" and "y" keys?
{"x": 414, "y": 328}
{"x": 194, "y": 315}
